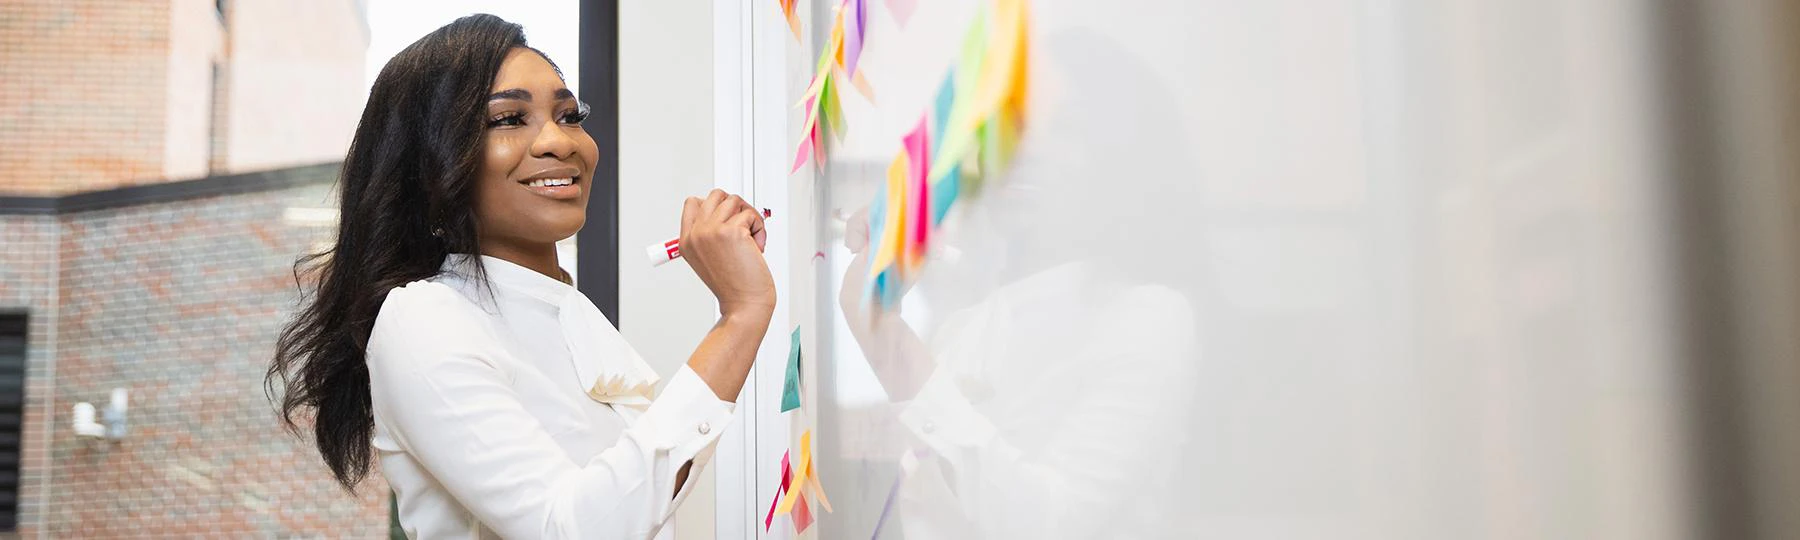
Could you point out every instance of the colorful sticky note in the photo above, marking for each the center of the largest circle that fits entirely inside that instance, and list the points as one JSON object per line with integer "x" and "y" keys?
{"x": 787, "y": 499}
{"x": 887, "y": 245}
{"x": 834, "y": 45}
{"x": 787, "y": 472}
{"x": 917, "y": 147}
{"x": 801, "y": 471}
{"x": 800, "y": 153}
{"x": 862, "y": 86}
{"x": 901, "y": 9}
{"x": 803, "y": 517}
{"x": 946, "y": 188}
{"x": 832, "y": 108}
{"x": 790, "y": 390}
{"x": 856, "y": 19}
{"x": 787, "y": 475}
{"x": 793, "y": 21}
{"x": 818, "y": 489}
{"x": 959, "y": 131}
{"x": 811, "y": 477}
{"x": 999, "y": 79}
{"x": 940, "y": 110}
{"x": 809, "y": 133}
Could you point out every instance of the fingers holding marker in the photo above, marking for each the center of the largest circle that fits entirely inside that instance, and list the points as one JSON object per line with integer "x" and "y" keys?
{"x": 709, "y": 207}
{"x": 690, "y": 210}
{"x": 752, "y": 220}
{"x": 698, "y": 211}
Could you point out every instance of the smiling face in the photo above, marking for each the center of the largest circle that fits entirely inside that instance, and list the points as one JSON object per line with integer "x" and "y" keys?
{"x": 537, "y": 163}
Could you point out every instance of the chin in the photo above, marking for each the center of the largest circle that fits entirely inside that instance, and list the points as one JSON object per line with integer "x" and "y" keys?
{"x": 558, "y": 226}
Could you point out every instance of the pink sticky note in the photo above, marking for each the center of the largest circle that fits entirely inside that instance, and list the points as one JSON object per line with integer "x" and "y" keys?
{"x": 770, "y": 520}
{"x": 787, "y": 475}
{"x": 801, "y": 153}
{"x": 803, "y": 517}
{"x": 902, "y": 9}
{"x": 918, "y": 146}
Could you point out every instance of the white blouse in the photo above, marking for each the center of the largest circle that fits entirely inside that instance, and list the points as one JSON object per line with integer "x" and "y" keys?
{"x": 516, "y": 410}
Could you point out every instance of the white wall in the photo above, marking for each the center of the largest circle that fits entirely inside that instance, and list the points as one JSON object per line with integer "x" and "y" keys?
{"x": 665, "y": 155}
{"x": 282, "y": 49}
{"x": 194, "y": 44}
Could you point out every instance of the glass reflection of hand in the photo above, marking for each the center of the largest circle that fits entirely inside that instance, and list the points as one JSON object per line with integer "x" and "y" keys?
{"x": 893, "y": 349}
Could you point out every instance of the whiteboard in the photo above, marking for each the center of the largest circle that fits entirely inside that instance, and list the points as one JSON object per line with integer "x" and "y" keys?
{"x": 1277, "y": 269}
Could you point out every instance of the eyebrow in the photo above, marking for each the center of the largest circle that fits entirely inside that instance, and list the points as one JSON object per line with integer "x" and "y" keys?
{"x": 522, "y": 94}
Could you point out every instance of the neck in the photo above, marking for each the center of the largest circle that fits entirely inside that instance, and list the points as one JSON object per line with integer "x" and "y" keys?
{"x": 539, "y": 258}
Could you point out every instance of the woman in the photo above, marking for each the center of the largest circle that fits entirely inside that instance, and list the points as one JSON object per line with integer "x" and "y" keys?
{"x": 444, "y": 340}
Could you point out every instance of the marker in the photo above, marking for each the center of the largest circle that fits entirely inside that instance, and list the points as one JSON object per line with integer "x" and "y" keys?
{"x": 661, "y": 254}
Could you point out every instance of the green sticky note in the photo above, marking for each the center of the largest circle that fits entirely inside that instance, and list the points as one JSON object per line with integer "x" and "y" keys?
{"x": 790, "y": 391}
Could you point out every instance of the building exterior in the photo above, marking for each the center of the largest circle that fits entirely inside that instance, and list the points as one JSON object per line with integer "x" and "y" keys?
{"x": 162, "y": 164}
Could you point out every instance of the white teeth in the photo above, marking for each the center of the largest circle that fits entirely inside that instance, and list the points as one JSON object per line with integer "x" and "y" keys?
{"x": 550, "y": 182}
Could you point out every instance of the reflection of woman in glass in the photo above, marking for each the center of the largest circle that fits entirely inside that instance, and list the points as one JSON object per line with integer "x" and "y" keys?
{"x": 1054, "y": 404}
{"x": 444, "y": 340}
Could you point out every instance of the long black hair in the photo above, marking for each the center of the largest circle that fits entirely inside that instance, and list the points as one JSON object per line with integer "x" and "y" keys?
{"x": 407, "y": 201}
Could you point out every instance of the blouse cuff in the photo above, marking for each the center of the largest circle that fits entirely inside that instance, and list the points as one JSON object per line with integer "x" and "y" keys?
{"x": 942, "y": 418}
{"x": 682, "y": 426}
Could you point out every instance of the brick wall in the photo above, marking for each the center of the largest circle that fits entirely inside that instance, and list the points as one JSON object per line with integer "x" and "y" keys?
{"x": 74, "y": 111}
{"x": 28, "y": 281}
{"x": 96, "y": 94}
{"x": 180, "y": 303}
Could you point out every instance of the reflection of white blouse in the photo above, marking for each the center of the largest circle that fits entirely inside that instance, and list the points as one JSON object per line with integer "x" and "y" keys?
{"x": 990, "y": 459}
{"x": 508, "y": 411}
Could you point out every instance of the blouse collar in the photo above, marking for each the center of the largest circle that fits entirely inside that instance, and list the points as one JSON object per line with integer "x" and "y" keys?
{"x": 511, "y": 276}
{"x": 606, "y": 368}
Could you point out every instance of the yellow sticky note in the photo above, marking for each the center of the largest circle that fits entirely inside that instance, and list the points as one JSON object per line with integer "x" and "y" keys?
{"x": 802, "y": 470}
{"x": 887, "y": 249}
{"x": 818, "y": 489}
{"x": 1000, "y": 70}
{"x": 959, "y": 130}
{"x": 787, "y": 500}
{"x": 836, "y": 45}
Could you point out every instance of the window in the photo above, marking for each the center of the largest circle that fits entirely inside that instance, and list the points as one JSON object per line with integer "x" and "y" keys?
{"x": 215, "y": 123}
{"x": 12, "y": 414}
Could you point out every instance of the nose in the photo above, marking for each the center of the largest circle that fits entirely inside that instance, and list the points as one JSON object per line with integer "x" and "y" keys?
{"x": 554, "y": 143}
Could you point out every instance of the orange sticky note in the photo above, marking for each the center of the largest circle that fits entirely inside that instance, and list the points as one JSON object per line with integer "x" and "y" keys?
{"x": 1004, "y": 59}
{"x": 793, "y": 21}
{"x": 862, "y": 85}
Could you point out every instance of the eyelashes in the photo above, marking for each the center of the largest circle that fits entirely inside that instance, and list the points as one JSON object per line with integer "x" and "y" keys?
{"x": 572, "y": 117}
{"x": 576, "y": 115}
{"x": 507, "y": 119}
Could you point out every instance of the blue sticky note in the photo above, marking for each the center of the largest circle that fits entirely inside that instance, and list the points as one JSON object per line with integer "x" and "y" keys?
{"x": 790, "y": 390}
{"x": 946, "y": 97}
{"x": 944, "y": 193}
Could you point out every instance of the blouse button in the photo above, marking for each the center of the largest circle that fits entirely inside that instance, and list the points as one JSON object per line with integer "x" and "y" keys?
{"x": 705, "y": 428}
{"x": 930, "y": 427}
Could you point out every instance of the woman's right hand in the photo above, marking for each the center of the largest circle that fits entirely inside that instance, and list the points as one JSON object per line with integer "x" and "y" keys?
{"x": 722, "y": 239}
